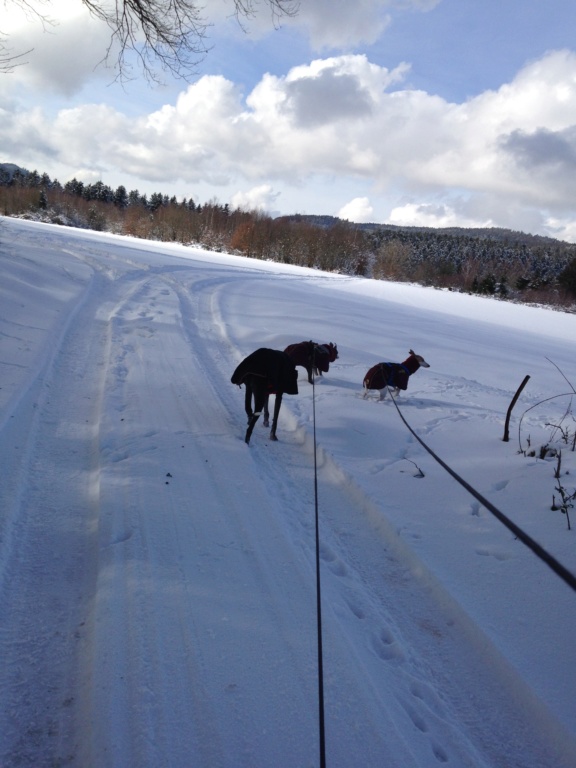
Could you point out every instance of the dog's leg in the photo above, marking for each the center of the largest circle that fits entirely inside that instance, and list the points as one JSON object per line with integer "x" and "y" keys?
{"x": 383, "y": 393}
{"x": 248, "y": 398}
{"x": 251, "y": 425}
{"x": 277, "y": 405}
{"x": 258, "y": 389}
{"x": 266, "y": 411}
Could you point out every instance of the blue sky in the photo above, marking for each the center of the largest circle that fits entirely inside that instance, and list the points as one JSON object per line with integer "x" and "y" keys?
{"x": 464, "y": 47}
{"x": 457, "y": 49}
{"x": 423, "y": 112}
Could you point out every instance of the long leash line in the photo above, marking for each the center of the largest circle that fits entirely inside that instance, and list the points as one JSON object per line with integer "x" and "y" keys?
{"x": 567, "y": 576}
{"x": 321, "y": 726}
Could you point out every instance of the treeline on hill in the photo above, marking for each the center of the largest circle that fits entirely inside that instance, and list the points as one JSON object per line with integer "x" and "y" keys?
{"x": 500, "y": 263}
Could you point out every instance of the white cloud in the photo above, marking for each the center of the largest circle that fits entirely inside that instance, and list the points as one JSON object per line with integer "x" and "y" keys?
{"x": 358, "y": 210}
{"x": 261, "y": 198}
{"x": 328, "y": 24}
{"x": 433, "y": 215}
{"x": 341, "y": 25}
{"x": 64, "y": 45}
{"x": 337, "y": 24}
{"x": 327, "y": 98}
{"x": 505, "y": 156}
{"x": 295, "y": 146}
{"x": 562, "y": 229}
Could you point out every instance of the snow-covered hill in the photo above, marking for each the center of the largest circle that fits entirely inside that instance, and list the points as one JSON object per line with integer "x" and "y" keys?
{"x": 157, "y": 575}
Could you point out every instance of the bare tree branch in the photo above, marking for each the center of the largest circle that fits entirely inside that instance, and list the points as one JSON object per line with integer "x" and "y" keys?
{"x": 9, "y": 62}
{"x": 167, "y": 35}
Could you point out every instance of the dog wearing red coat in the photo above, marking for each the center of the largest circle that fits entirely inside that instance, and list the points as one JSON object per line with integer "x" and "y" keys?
{"x": 314, "y": 357}
{"x": 384, "y": 376}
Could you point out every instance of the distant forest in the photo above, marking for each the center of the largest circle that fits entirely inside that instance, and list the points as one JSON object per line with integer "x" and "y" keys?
{"x": 496, "y": 262}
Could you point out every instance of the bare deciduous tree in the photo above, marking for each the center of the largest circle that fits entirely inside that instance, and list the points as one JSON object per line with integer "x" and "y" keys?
{"x": 167, "y": 34}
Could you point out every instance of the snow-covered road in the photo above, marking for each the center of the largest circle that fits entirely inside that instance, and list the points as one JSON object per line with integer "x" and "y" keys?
{"x": 157, "y": 575}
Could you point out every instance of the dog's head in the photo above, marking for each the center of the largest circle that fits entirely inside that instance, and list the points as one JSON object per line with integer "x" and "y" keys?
{"x": 332, "y": 351}
{"x": 420, "y": 359}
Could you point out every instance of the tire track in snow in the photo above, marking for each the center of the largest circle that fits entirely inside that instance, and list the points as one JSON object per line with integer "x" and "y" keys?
{"x": 49, "y": 564}
{"x": 49, "y": 546}
{"x": 167, "y": 683}
{"x": 130, "y": 704}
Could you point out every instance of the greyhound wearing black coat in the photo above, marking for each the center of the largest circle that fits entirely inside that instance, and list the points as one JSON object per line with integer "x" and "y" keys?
{"x": 384, "y": 375}
{"x": 265, "y": 372}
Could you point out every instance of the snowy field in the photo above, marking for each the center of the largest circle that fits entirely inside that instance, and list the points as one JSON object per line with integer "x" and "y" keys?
{"x": 157, "y": 575}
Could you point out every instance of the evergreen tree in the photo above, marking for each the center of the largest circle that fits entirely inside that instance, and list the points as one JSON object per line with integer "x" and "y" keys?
{"x": 74, "y": 187}
{"x": 19, "y": 178}
{"x": 567, "y": 278}
{"x": 33, "y": 179}
{"x": 120, "y": 198}
{"x": 134, "y": 198}
{"x": 156, "y": 201}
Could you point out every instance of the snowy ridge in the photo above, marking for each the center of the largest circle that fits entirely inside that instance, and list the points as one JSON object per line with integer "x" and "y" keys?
{"x": 158, "y": 592}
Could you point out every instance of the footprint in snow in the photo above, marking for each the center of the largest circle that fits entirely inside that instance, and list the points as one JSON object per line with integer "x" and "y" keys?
{"x": 333, "y": 561}
{"x": 120, "y": 537}
{"x": 483, "y": 552}
{"x": 417, "y": 719}
{"x": 425, "y": 699}
{"x": 439, "y": 753}
{"x": 386, "y": 647}
{"x": 428, "y": 698}
{"x": 356, "y": 609}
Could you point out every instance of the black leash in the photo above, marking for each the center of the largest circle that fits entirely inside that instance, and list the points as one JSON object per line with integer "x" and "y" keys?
{"x": 566, "y": 575}
{"x": 318, "y": 592}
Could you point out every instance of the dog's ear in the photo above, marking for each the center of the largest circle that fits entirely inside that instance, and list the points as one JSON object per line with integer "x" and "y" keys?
{"x": 412, "y": 352}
